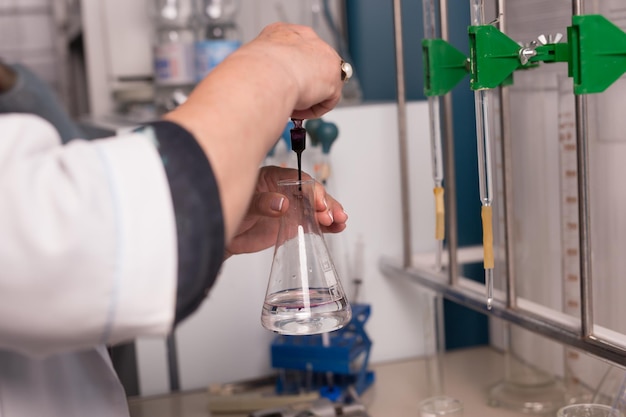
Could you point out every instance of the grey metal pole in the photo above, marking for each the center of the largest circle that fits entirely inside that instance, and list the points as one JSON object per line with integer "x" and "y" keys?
{"x": 505, "y": 132}
{"x": 402, "y": 136}
{"x": 449, "y": 170}
{"x": 172, "y": 362}
{"x": 582, "y": 133}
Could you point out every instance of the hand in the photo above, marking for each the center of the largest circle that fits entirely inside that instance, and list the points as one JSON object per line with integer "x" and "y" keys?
{"x": 240, "y": 108}
{"x": 7, "y": 78}
{"x": 313, "y": 65}
{"x": 259, "y": 228}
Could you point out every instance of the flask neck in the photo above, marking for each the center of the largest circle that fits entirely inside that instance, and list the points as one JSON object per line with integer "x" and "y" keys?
{"x": 301, "y": 212}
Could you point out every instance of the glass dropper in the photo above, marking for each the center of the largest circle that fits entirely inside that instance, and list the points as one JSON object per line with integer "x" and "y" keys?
{"x": 298, "y": 142}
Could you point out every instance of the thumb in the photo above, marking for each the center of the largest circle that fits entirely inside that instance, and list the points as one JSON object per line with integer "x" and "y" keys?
{"x": 268, "y": 204}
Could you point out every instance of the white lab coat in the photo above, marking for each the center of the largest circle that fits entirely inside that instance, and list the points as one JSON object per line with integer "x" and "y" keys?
{"x": 87, "y": 258}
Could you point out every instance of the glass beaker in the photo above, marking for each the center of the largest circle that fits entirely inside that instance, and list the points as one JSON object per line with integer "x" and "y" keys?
{"x": 588, "y": 410}
{"x": 304, "y": 294}
{"x": 441, "y": 406}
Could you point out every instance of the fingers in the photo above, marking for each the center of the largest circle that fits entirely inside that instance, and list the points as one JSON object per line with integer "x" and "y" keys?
{"x": 314, "y": 65}
{"x": 329, "y": 212}
{"x": 269, "y": 204}
{"x": 318, "y": 110}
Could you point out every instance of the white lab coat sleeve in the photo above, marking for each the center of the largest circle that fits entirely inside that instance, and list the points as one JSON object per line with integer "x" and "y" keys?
{"x": 88, "y": 246}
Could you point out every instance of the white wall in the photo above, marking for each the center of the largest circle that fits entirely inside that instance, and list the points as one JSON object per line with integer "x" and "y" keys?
{"x": 224, "y": 341}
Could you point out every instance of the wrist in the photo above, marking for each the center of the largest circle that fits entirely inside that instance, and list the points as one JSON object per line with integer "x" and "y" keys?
{"x": 275, "y": 76}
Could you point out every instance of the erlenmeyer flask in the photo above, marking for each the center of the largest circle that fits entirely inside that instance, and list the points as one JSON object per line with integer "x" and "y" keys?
{"x": 304, "y": 295}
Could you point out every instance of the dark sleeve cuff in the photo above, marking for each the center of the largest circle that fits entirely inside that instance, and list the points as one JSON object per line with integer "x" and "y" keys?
{"x": 198, "y": 211}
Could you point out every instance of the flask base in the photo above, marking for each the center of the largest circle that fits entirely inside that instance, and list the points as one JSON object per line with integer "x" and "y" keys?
{"x": 299, "y": 326}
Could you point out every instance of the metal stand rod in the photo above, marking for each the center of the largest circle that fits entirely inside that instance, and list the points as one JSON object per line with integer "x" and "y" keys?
{"x": 402, "y": 136}
{"x": 507, "y": 174}
{"x": 582, "y": 134}
{"x": 172, "y": 363}
{"x": 449, "y": 171}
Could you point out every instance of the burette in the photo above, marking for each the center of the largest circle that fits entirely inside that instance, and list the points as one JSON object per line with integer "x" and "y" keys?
{"x": 485, "y": 175}
{"x": 570, "y": 257}
{"x": 430, "y": 32}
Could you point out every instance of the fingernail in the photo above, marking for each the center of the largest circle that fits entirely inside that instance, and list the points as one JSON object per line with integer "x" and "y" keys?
{"x": 346, "y": 213}
{"x": 277, "y": 203}
{"x": 325, "y": 204}
{"x": 330, "y": 214}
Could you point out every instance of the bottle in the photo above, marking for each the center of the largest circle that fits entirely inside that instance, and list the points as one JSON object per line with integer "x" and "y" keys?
{"x": 174, "y": 76}
{"x": 217, "y": 34}
{"x": 304, "y": 294}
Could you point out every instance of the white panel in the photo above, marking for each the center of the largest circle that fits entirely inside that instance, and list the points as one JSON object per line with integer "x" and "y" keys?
{"x": 224, "y": 341}
{"x": 18, "y": 34}
{"x": 152, "y": 366}
{"x": 129, "y": 34}
{"x": 23, "y": 4}
{"x": 31, "y": 3}
{"x": 367, "y": 181}
{"x": 8, "y": 32}
{"x": 97, "y": 59}
{"x": 35, "y": 31}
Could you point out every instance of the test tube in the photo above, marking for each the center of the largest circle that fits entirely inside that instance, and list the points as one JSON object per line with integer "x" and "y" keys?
{"x": 485, "y": 176}
{"x": 430, "y": 32}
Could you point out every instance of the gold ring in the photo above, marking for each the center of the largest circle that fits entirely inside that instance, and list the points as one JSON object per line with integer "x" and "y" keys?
{"x": 346, "y": 71}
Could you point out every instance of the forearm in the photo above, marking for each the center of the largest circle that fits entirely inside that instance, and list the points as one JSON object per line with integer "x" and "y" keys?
{"x": 239, "y": 110}
{"x": 237, "y": 114}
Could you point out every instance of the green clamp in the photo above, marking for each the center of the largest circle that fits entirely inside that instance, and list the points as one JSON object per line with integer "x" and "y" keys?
{"x": 552, "y": 52}
{"x": 595, "y": 53}
{"x": 444, "y": 67}
{"x": 494, "y": 57}
{"x": 598, "y": 53}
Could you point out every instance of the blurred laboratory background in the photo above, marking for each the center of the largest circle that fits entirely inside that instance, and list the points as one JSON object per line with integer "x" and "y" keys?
{"x": 421, "y": 290}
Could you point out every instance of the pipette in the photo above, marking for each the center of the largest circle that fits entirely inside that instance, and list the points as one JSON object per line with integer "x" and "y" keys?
{"x": 430, "y": 32}
{"x": 298, "y": 142}
{"x": 438, "y": 190}
{"x": 486, "y": 186}
{"x": 485, "y": 178}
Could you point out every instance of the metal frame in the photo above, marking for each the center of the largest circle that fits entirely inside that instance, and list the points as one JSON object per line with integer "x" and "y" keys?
{"x": 402, "y": 134}
{"x": 578, "y": 335}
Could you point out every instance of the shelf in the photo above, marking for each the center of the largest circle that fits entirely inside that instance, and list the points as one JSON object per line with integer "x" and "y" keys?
{"x": 531, "y": 316}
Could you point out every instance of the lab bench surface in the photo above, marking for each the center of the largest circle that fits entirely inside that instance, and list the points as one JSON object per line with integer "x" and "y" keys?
{"x": 399, "y": 387}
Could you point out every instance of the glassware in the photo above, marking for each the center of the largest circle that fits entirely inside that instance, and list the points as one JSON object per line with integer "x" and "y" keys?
{"x": 173, "y": 56}
{"x": 304, "y": 294}
{"x": 588, "y": 410}
{"x": 218, "y": 33}
{"x": 442, "y": 405}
